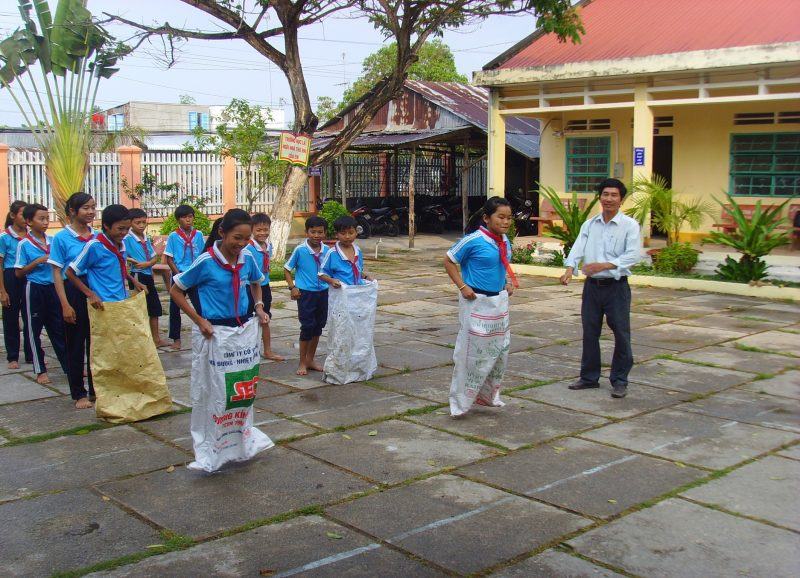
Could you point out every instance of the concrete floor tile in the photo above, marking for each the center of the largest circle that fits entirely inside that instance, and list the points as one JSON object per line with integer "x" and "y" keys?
{"x": 554, "y": 563}
{"x": 413, "y": 355}
{"x": 748, "y": 407}
{"x": 749, "y": 361}
{"x": 539, "y": 367}
{"x": 689, "y": 377}
{"x": 785, "y": 385}
{"x": 681, "y": 337}
{"x": 774, "y": 341}
{"x": 14, "y": 387}
{"x": 44, "y": 416}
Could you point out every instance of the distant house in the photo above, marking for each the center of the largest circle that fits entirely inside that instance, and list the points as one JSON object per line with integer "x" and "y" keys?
{"x": 705, "y": 93}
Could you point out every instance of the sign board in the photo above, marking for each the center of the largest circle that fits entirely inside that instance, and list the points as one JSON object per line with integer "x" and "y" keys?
{"x": 638, "y": 156}
{"x": 314, "y": 171}
{"x": 294, "y": 148}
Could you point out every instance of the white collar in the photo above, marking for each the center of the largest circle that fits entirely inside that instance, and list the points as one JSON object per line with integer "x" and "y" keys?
{"x": 312, "y": 251}
{"x": 75, "y": 233}
{"x": 222, "y": 257}
{"x": 120, "y": 247}
{"x": 258, "y": 246}
{"x": 343, "y": 256}
{"x": 132, "y": 234}
{"x": 10, "y": 230}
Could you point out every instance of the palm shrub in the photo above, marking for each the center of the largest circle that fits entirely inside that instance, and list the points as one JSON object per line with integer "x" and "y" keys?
{"x": 753, "y": 238}
{"x": 676, "y": 258}
{"x": 654, "y": 199}
{"x": 572, "y": 217}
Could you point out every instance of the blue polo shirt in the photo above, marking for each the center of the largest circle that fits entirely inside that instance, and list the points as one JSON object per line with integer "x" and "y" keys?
{"x": 215, "y": 284}
{"x": 479, "y": 258}
{"x": 8, "y": 247}
{"x": 258, "y": 254}
{"x": 336, "y": 265}
{"x": 102, "y": 271}
{"x": 66, "y": 246}
{"x": 27, "y": 252}
{"x": 183, "y": 254}
{"x": 135, "y": 251}
{"x": 306, "y": 267}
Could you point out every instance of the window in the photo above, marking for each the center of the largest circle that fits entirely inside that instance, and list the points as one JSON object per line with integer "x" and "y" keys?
{"x": 784, "y": 117}
{"x": 198, "y": 119}
{"x": 587, "y": 162}
{"x": 589, "y": 124}
{"x": 115, "y": 122}
{"x": 765, "y": 164}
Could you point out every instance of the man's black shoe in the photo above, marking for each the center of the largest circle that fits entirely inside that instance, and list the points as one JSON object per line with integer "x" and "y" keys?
{"x": 583, "y": 385}
{"x": 619, "y": 391}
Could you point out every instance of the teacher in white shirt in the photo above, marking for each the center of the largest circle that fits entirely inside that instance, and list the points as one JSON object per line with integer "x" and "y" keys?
{"x": 607, "y": 246}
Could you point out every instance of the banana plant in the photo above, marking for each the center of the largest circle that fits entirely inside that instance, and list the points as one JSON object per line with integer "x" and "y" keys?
{"x": 56, "y": 97}
{"x": 571, "y": 215}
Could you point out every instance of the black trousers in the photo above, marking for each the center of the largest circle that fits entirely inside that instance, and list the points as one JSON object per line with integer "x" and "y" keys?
{"x": 76, "y": 337}
{"x": 44, "y": 311}
{"x": 16, "y": 293}
{"x": 612, "y": 300}
{"x": 175, "y": 313}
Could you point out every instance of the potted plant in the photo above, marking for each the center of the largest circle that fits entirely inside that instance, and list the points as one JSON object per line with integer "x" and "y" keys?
{"x": 571, "y": 215}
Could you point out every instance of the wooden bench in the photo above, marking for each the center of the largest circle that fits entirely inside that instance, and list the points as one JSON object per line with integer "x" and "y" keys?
{"x": 726, "y": 222}
{"x": 548, "y": 215}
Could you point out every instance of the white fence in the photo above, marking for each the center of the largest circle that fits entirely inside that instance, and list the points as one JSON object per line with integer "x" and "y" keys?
{"x": 267, "y": 193}
{"x": 197, "y": 175}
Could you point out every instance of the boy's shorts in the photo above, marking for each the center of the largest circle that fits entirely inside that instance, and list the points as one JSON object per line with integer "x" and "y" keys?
{"x": 312, "y": 312}
{"x": 153, "y": 302}
{"x": 266, "y": 297}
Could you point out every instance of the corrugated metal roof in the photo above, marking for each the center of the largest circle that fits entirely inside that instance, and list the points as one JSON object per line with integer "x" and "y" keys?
{"x": 387, "y": 139}
{"x": 617, "y": 29}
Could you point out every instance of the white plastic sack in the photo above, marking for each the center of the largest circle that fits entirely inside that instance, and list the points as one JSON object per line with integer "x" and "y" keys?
{"x": 224, "y": 381}
{"x": 481, "y": 353}
{"x": 351, "y": 323}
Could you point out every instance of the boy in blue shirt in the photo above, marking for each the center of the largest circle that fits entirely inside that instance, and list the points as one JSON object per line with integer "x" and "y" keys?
{"x": 103, "y": 263}
{"x": 309, "y": 291}
{"x": 344, "y": 264}
{"x": 261, "y": 250}
{"x": 141, "y": 258}
{"x": 184, "y": 245}
{"x": 12, "y": 290}
{"x": 43, "y": 306}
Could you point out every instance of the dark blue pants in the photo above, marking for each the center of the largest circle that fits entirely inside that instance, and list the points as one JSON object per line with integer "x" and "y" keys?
{"x": 312, "y": 312}
{"x": 15, "y": 288}
{"x": 612, "y": 300}
{"x": 175, "y": 313}
{"x": 154, "y": 308}
{"x": 44, "y": 311}
{"x": 76, "y": 336}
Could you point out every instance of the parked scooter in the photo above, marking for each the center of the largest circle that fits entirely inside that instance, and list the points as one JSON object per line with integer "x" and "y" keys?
{"x": 522, "y": 211}
{"x": 379, "y": 221}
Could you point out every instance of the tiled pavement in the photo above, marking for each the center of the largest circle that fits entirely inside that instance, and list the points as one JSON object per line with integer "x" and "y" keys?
{"x": 695, "y": 473}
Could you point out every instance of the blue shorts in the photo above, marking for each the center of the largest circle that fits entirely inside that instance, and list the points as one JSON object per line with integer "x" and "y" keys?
{"x": 312, "y": 311}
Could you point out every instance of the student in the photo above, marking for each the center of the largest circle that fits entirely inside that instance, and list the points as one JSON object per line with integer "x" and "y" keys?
{"x": 12, "y": 289}
{"x": 344, "y": 264}
{"x": 218, "y": 276}
{"x": 102, "y": 262}
{"x": 141, "y": 257}
{"x": 67, "y": 244}
{"x": 41, "y": 300}
{"x": 482, "y": 343}
{"x": 184, "y": 245}
{"x": 310, "y": 292}
{"x": 261, "y": 250}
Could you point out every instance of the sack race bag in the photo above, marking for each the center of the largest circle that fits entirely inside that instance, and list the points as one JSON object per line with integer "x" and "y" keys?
{"x": 128, "y": 378}
{"x": 351, "y": 323}
{"x": 481, "y": 353}
{"x": 224, "y": 383}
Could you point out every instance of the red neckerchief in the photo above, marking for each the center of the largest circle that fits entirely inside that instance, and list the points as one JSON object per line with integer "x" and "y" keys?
{"x": 44, "y": 248}
{"x": 236, "y": 280}
{"x": 353, "y": 264}
{"x": 144, "y": 246}
{"x": 83, "y": 239}
{"x": 120, "y": 257}
{"x": 188, "y": 240}
{"x": 501, "y": 245}
{"x": 264, "y": 256}
{"x": 317, "y": 256}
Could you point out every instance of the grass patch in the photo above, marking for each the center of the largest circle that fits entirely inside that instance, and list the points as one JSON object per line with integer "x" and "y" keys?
{"x": 752, "y": 318}
{"x": 762, "y": 376}
{"x": 743, "y": 347}
{"x": 423, "y": 410}
{"x": 671, "y": 357}
{"x": 563, "y": 342}
{"x": 75, "y": 431}
{"x": 278, "y": 305}
{"x": 537, "y": 383}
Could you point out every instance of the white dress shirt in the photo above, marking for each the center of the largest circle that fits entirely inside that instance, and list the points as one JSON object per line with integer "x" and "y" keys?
{"x": 615, "y": 242}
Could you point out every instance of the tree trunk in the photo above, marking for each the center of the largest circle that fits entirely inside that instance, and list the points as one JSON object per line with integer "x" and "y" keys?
{"x": 283, "y": 209}
{"x": 465, "y": 189}
{"x": 411, "y": 220}
{"x": 343, "y": 181}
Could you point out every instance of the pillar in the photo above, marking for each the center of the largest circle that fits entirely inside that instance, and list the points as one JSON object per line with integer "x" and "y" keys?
{"x": 384, "y": 174}
{"x": 130, "y": 174}
{"x": 642, "y": 133}
{"x": 496, "y": 160}
{"x": 228, "y": 184}
{"x": 5, "y": 186}
{"x": 314, "y": 186}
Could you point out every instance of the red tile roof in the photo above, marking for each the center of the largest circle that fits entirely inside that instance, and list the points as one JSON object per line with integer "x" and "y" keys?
{"x": 618, "y": 29}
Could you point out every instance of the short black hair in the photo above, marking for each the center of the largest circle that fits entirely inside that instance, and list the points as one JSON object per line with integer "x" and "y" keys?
{"x": 261, "y": 219}
{"x": 316, "y": 221}
{"x": 113, "y": 214}
{"x": 344, "y": 222}
{"x": 183, "y": 211}
{"x": 15, "y": 208}
{"x": 137, "y": 213}
{"x": 29, "y": 211}
{"x": 76, "y": 201}
{"x": 613, "y": 184}
{"x": 232, "y": 219}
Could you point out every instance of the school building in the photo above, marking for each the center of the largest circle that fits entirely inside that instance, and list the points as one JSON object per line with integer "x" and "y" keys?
{"x": 705, "y": 93}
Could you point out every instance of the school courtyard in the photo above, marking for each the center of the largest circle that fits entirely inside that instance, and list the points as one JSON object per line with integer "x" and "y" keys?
{"x": 695, "y": 473}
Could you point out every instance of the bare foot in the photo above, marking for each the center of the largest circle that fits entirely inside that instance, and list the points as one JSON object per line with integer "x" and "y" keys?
{"x": 302, "y": 370}
{"x": 13, "y": 364}
{"x": 272, "y": 356}
{"x": 314, "y": 366}
{"x": 83, "y": 403}
{"x": 176, "y": 345}
{"x": 43, "y": 379}
{"x": 162, "y": 343}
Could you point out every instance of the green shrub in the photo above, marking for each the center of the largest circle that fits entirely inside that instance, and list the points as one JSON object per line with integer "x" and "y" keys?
{"x": 557, "y": 259}
{"x": 512, "y": 233}
{"x": 523, "y": 255}
{"x": 201, "y": 222}
{"x": 572, "y": 217}
{"x": 675, "y": 258}
{"x": 331, "y": 211}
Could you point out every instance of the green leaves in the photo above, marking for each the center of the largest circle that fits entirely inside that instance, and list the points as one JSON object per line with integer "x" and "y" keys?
{"x": 571, "y": 216}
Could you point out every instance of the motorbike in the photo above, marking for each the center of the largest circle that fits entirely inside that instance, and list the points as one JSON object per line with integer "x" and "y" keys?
{"x": 522, "y": 211}
{"x": 382, "y": 220}
{"x": 431, "y": 218}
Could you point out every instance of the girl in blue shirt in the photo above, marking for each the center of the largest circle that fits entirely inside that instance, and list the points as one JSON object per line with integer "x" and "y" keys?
{"x": 67, "y": 244}
{"x": 12, "y": 289}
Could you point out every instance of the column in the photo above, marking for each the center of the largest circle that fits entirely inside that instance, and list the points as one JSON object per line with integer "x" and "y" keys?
{"x": 313, "y": 193}
{"x": 228, "y": 184}
{"x": 5, "y": 188}
{"x": 496, "y": 159}
{"x": 130, "y": 174}
{"x": 642, "y": 134}
{"x": 384, "y": 174}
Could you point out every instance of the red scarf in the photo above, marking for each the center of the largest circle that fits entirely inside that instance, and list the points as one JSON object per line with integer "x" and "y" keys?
{"x": 501, "y": 245}
{"x": 83, "y": 239}
{"x": 264, "y": 257}
{"x": 145, "y": 248}
{"x": 353, "y": 265}
{"x": 317, "y": 256}
{"x": 188, "y": 241}
{"x": 44, "y": 248}
{"x": 235, "y": 280}
{"x": 123, "y": 269}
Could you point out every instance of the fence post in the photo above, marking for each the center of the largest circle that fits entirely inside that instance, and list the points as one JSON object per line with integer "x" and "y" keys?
{"x": 313, "y": 194}
{"x": 130, "y": 172}
{"x": 5, "y": 186}
{"x": 228, "y": 183}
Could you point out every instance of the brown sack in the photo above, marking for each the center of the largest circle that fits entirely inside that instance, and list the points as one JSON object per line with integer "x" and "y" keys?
{"x": 128, "y": 378}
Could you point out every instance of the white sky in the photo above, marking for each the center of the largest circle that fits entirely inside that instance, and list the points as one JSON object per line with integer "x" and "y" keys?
{"x": 215, "y": 72}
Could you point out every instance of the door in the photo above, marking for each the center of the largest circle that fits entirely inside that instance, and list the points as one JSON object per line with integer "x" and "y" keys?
{"x": 662, "y": 166}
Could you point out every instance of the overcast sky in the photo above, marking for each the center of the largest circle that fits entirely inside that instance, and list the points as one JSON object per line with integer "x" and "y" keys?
{"x": 215, "y": 72}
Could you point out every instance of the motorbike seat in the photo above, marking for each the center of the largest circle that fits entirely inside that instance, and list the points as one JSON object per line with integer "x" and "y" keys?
{"x": 382, "y": 210}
